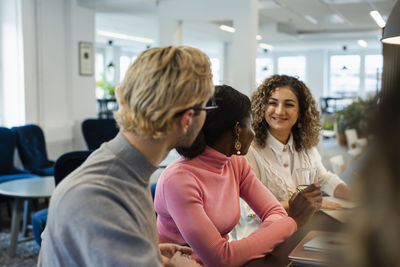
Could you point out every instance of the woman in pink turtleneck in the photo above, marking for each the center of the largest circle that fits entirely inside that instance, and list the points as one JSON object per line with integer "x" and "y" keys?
{"x": 197, "y": 196}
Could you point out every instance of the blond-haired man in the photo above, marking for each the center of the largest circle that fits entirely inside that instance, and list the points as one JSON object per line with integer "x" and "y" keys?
{"x": 102, "y": 214}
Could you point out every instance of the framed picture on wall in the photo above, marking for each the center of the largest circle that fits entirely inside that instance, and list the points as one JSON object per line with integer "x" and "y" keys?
{"x": 86, "y": 62}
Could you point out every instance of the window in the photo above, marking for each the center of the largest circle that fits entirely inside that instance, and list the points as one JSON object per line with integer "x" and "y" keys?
{"x": 12, "y": 87}
{"x": 344, "y": 75}
{"x": 99, "y": 69}
{"x": 124, "y": 64}
{"x": 264, "y": 69}
{"x": 215, "y": 69}
{"x": 293, "y": 66}
{"x": 373, "y": 72}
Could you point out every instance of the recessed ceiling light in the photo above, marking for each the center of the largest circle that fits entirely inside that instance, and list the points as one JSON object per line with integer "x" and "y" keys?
{"x": 266, "y": 46}
{"x": 227, "y": 28}
{"x": 378, "y": 18}
{"x": 362, "y": 43}
{"x": 258, "y": 37}
{"x": 126, "y": 37}
{"x": 310, "y": 19}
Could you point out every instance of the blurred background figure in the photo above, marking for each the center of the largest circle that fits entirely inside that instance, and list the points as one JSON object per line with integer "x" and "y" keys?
{"x": 376, "y": 226}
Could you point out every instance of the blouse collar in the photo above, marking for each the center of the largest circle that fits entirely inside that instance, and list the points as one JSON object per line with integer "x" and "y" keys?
{"x": 277, "y": 146}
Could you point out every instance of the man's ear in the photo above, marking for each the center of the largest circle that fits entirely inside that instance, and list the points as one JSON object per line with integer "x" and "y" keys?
{"x": 185, "y": 120}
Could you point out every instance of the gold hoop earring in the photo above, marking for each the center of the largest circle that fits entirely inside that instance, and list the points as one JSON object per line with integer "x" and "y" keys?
{"x": 238, "y": 145}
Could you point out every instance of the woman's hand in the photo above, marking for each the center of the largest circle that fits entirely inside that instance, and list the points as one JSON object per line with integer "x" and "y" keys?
{"x": 174, "y": 255}
{"x": 330, "y": 205}
{"x": 303, "y": 204}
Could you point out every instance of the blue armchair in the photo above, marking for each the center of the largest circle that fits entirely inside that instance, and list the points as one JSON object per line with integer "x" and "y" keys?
{"x": 7, "y": 147}
{"x": 32, "y": 150}
{"x": 98, "y": 131}
{"x": 7, "y": 170}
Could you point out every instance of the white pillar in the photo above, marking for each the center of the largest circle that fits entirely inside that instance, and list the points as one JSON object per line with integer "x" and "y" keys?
{"x": 244, "y": 46}
{"x": 171, "y": 31}
{"x": 239, "y": 64}
{"x": 62, "y": 97}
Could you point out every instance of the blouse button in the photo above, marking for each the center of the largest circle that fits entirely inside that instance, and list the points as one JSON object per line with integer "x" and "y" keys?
{"x": 284, "y": 149}
{"x": 285, "y": 165}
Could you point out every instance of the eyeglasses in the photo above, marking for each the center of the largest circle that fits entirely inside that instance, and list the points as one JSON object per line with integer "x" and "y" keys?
{"x": 197, "y": 110}
{"x": 206, "y": 108}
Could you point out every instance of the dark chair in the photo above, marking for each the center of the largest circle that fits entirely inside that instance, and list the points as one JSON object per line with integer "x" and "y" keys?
{"x": 68, "y": 162}
{"x": 7, "y": 170}
{"x": 64, "y": 165}
{"x": 98, "y": 131}
{"x": 7, "y": 147}
{"x": 32, "y": 150}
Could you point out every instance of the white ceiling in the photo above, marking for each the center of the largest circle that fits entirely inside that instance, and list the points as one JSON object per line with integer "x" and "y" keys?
{"x": 282, "y": 23}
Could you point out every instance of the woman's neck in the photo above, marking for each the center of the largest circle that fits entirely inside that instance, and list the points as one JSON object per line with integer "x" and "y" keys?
{"x": 282, "y": 137}
{"x": 223, "y": 144}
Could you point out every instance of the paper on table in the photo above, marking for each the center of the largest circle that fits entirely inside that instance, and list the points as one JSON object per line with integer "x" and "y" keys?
{"x": 342, "y": 215}
{"x": 326, "y": 242}
{"x": 345, "y": 203}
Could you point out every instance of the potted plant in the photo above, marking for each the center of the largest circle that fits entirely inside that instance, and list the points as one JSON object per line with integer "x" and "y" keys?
{"x": 357, "y": 115}
{"x": 106, "y": 88}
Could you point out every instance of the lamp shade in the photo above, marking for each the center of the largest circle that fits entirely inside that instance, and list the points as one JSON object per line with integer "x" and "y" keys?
{"x": 391, "y": 32}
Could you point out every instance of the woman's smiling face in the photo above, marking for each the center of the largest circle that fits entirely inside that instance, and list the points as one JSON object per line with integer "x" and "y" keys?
{"x": 281, "y": 111}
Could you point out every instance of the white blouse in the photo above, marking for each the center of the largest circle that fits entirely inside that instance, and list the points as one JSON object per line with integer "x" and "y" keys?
{"x": 274, "y": 165}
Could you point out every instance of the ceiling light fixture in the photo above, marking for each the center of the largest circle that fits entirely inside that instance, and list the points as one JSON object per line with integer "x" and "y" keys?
{"x": 231, "y": 29}
{"x": 378, "y": 18}
{"x": 362, "y": 43}
{"x": 310, "y": 19}
{"x": 266, "y": 46}
{"x": 227, "y": 28}
{"x": 125, "y": 37}
{"x": 391, "y": 32}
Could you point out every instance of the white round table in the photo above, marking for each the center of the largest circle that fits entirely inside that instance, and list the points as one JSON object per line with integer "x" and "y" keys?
{"x": 21, "y": 190}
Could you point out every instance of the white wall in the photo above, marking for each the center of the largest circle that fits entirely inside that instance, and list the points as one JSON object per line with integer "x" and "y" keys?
{"x": 57, "y": 97}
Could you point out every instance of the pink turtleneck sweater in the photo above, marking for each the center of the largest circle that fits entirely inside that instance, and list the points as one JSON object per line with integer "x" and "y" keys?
{"x": 197, "y": 202}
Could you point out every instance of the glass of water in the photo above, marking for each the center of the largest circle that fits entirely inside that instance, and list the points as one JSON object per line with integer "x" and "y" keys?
{"x": 303, "y": 177}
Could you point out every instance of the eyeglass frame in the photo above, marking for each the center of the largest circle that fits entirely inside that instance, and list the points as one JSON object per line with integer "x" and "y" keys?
{"x": 198, "y": 109}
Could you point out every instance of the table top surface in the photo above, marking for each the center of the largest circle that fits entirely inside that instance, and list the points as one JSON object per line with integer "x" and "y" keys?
{"x": 29, "y": 187}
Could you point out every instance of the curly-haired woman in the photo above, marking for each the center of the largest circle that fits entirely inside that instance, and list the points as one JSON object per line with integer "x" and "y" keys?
{"x": 286, "y": 125}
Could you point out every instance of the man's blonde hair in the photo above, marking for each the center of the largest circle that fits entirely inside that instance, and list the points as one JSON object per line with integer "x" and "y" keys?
{"x": 158, "y": 85}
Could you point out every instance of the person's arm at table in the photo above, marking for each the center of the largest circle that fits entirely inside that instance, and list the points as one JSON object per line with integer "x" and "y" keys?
{"x": 330, "y": 182}
{"x": 201, "y": 234}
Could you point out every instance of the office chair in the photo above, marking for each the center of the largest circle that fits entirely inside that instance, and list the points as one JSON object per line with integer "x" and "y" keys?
{"x": 32, "y": 150}
{"x": 98, "y": 131}
{"x": 64, "y": 165}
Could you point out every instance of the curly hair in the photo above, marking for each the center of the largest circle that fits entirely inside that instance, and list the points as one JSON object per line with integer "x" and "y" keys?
{"x": 306, "y": 130}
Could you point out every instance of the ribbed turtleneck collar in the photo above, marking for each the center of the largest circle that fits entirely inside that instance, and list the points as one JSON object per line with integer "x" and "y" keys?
{"x": 213, "y": 158}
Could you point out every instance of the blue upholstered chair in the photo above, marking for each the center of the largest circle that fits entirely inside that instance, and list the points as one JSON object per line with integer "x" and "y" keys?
{"x": 98, "y": 131}
{"x": 32, "y": 150}
{"x": 7, "y": 147}
{"x": 7, "y": 170}
{"x": 64, "y": 165}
